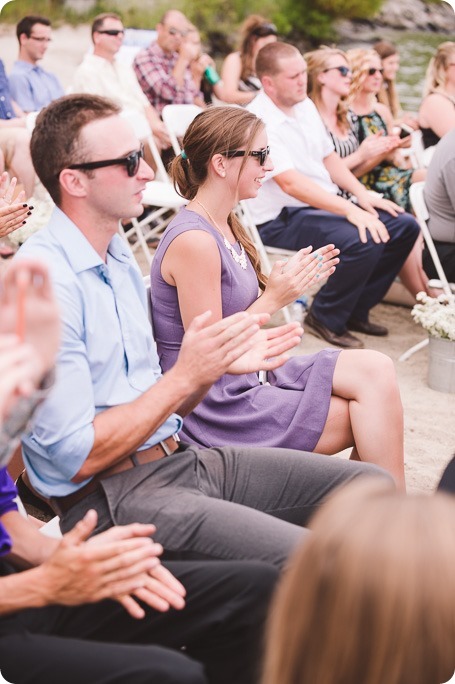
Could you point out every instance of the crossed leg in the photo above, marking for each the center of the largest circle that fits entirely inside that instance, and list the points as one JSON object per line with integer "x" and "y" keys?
{"x": 365, "y": 412}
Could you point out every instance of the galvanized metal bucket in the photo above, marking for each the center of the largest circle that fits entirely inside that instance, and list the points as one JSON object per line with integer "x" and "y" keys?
{"x": 441, "y": 365}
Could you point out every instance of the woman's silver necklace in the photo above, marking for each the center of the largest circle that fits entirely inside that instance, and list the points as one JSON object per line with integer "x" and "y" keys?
{"x": 238, "y": 258}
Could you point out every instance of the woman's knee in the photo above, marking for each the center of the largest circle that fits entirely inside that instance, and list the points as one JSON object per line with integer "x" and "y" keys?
{"x": 367, "y": 365}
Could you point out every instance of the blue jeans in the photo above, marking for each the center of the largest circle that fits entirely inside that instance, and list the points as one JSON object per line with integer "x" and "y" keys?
{"x": 366, "y": 270}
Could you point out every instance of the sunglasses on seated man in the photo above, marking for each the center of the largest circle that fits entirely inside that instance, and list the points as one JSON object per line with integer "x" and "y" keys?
{"x": 176, "y": 32}
{"x": 130, "y": 162}
{"x": 261, "y": 155}
{"x": 112, "y": 32}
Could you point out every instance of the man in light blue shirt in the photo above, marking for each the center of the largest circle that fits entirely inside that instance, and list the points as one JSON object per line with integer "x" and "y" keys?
{"x": 106, "y": 438}
{"x": 32, "y": 87}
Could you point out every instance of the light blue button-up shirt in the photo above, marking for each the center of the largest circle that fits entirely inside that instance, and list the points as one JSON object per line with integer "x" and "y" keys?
{"x": 32, "y": 87}
{"x": 107, "y": 357}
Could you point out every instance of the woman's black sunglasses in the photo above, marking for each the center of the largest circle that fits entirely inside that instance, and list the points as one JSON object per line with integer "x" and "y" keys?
{"x": 261, "y": 155}
{"x": 344, "y": 70}
{"x": 372, "y": 70}
{"x": 130, "y": 162}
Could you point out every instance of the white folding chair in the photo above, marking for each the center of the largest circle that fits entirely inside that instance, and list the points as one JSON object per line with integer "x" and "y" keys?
{"x": 159, "y": 194}
{"x": 244, "y": 216}
{"x": 421, "y": 212}
{"x": 177, "y": 118}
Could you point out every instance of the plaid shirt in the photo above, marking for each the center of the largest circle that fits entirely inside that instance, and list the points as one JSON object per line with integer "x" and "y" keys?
{"x": 153, "y": 68}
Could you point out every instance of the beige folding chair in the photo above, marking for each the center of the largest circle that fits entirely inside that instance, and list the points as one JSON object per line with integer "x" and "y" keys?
{"x": 421, "y": 212}
{"x": 143, "y": 234}
{"x": 177, "y": 118}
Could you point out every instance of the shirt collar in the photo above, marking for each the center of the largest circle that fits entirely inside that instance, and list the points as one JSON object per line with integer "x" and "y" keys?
{"x": 78, "y": 250}
{"x": 27, "y": 67}
{"x": 265, "y": 105}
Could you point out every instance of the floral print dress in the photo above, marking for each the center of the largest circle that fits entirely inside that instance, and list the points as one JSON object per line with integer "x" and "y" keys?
{"x": 391, "y": 181}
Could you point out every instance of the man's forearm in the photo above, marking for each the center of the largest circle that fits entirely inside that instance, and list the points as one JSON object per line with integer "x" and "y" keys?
{"x": 30, "y": 547}
{"x": 22, "y": 590}
{"x": 304, "y": 189}
{"x": 342, "y": 176}
{"x": 121, "y": 430}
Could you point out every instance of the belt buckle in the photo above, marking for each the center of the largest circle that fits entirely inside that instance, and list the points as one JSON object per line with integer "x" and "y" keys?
{"x": 165, "y": 447}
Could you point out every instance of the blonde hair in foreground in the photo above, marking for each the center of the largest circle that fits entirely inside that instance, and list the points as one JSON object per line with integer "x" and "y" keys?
{"x": 370, "y": 597}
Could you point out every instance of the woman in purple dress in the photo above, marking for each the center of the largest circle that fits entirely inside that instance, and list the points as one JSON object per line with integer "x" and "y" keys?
{"x": 323, "y": 402}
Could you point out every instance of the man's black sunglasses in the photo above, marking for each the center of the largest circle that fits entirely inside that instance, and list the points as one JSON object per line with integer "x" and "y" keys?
{"x": 260, "y": 154}
{"x": 112, "y": 32}
{"x": 131, "y": 163}
{"x": 344, "y": 70}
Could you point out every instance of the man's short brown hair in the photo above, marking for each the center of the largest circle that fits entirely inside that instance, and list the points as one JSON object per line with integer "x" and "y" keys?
{"x": 56, "y": 143}
{"x": 99, "y": 20}
{"x": 267, "y": 60}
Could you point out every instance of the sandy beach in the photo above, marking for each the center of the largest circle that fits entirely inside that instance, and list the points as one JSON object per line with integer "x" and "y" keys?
{"x": 429, "y": 415}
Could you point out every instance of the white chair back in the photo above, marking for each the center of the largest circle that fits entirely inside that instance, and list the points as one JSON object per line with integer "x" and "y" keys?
{"x": 244, "y": 216}
{"x": 177, "y": 118}
{"x": 421, "y": 211}
{"x": 142, "y": 129}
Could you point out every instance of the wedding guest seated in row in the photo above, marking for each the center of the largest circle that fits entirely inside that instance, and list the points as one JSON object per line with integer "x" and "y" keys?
{"x": 299, "y": 204}
{"x": 324, "y": 402}
{"x": 440, "y": 199}
{"x": 206, "y": 79}
{"x": 361, "y": 137}
{"x": 14, "y": 137}
{"x": 389, "y": 177}
{"x": 32, "y": 86}
{"x": 104, "y": 610}
{"x": 163, "y": 69}
{"x": 378, "y": 594}
{"x": 437, "y": 110}
{"x": 107, "y": 435}
{"x": 388, "y": 92}
{"x": 101, "y": 74}
{"x": 240, "y": 82}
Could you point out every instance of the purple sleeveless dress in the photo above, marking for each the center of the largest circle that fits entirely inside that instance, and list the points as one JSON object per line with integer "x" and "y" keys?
{"x": 290, "y": 412}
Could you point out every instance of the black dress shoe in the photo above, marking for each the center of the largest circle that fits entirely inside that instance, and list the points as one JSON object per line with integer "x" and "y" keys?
{"x": 345, "y": 340}
{"x": 367, "y": 328}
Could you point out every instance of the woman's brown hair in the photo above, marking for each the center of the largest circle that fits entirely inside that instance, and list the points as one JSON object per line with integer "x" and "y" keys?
{"x": 215, "y": 131}
{"x": 317, "y": 61}
{"x": 248, "y": 37}
{"x": 388, "y": 93}
{"x": 370, "y": 596}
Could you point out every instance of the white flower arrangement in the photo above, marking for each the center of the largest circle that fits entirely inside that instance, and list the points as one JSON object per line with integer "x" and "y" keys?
{"x": 436, "y": 315}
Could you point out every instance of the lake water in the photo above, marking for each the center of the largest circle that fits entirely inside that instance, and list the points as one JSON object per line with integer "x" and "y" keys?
{"x": 415, "y": 49}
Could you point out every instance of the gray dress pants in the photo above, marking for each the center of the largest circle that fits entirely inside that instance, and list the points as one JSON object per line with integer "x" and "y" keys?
{"x": 229, "y": 503}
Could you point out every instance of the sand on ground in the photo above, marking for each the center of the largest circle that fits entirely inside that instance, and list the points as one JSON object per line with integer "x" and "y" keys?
{"x": 429, "y": 415}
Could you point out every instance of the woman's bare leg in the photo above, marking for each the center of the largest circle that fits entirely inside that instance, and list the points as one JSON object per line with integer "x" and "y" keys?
{"x": 412, "y": 274}
{"x": 366, "y": 412}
